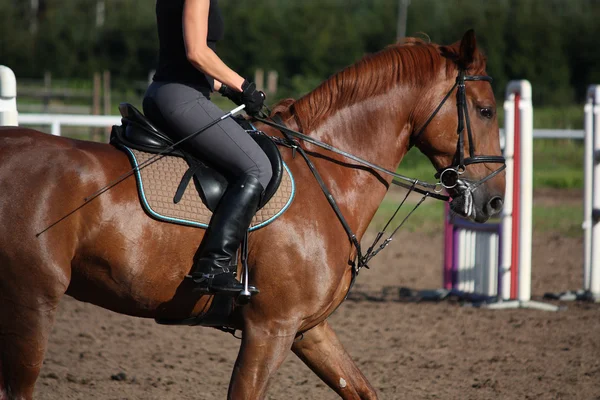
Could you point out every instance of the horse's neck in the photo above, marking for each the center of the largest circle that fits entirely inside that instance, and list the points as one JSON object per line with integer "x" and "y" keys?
{"x": 377, "y": 130}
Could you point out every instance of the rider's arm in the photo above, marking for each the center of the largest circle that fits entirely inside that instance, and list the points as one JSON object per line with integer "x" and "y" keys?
{"x": 195, "y": 32}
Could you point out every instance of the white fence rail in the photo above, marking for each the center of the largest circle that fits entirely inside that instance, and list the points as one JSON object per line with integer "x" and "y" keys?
{"x": 56, "y": 121}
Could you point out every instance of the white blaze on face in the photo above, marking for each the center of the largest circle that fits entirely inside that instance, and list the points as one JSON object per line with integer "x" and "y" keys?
{"x": 342, "y": 383}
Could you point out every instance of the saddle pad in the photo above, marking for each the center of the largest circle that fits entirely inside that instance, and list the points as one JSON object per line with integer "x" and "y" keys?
{"x": 158, "y": 182}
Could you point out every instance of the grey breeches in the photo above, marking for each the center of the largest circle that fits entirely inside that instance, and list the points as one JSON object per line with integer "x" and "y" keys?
{"x": 181, "y": 110}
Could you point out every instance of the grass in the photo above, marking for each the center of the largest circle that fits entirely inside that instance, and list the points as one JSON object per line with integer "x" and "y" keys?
{"x": 564, "y": 117}
{"x": 558, "y": 163}
{"x": 428, "y": 218}
{"x": 561, "y": 219}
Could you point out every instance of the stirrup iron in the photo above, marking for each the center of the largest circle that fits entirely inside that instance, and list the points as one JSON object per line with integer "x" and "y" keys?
{"x": 245, "y": 295}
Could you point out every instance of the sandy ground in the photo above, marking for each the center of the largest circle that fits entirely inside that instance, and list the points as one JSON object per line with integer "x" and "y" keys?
{"x": 408, "y": 350}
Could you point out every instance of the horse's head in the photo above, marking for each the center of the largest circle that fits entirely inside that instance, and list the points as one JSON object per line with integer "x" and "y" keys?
{"x": 462, "y": 138}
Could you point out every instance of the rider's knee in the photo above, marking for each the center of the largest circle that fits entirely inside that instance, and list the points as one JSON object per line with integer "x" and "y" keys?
{"x": 263, "y": 173}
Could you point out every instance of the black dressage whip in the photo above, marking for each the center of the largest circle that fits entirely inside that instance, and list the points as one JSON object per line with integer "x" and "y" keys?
{"x": 149, "y": 161}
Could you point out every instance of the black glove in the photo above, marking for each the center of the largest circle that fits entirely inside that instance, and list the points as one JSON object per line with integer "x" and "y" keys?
{"x": 253, "y": 99}
{"x": 231, "y": 94}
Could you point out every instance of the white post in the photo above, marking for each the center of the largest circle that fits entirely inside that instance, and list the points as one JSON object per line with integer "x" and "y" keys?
{"x": 592, "y": 193}
{"x": 588, "y": 173}
{"x": 507, "y": 207}
{"x": 521, "y": 180}
{"x": 55, "y": 128}
{"x": 8, "y": 97}
{"x": 517, "y": 212}
{"x": 526, "y": 189}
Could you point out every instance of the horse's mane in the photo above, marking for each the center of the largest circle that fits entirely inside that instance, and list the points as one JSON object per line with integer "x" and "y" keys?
{"x": 413, "y": 62}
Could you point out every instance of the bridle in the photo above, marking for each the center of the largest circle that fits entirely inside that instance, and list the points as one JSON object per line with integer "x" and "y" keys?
{"x": 450, "y": 176}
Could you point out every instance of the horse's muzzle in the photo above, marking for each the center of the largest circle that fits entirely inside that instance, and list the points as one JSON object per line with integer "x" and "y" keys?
{"x": 474, "y": 202}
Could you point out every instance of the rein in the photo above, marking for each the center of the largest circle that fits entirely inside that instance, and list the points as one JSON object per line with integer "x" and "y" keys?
{"x": 363, "y": 259}
{"x": 279, "y": 124}
{"x": 449, "y": 177}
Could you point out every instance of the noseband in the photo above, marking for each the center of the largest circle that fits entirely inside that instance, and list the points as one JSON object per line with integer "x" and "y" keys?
{"x": 450, "y": 176}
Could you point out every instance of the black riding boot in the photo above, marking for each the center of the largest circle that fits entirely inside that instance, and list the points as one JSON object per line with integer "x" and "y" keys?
{"x": 216, "y": 263}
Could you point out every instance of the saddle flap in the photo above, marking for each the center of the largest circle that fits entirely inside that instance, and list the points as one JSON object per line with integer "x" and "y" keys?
{"x": 274, "y": 156}
{"x": 210, "y": 184}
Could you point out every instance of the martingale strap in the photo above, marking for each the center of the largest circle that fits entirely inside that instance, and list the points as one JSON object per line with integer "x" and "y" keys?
{"x": 328, "y": 195}
{"x": 371, "y": 252}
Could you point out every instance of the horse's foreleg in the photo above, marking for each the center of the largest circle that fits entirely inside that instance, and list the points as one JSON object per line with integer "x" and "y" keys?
{"x": 262, "y": 351}
{"x": 322, "y": 352}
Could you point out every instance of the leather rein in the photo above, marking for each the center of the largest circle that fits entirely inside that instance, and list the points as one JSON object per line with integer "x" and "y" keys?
{"x": 449, "y": 177}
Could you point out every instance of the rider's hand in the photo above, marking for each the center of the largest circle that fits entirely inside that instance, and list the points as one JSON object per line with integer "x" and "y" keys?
{"x": 253, "y": 99}
{"x": 231, "y": 94}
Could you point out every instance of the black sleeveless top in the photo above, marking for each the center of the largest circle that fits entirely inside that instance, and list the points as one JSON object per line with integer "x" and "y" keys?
{"x": 173, "y": 65}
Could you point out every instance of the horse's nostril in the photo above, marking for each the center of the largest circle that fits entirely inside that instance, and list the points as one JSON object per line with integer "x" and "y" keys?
{"x": 495, "y": 205}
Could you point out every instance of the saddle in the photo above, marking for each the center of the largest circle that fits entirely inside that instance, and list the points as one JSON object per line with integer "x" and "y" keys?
{"x": 166, "y": 200}
{"x": 138, "y": 132}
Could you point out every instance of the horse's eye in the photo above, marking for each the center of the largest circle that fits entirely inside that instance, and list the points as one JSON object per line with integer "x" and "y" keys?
{"x": 486, "y": 113}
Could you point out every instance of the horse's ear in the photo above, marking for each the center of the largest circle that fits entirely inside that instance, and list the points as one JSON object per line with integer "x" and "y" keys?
{"x": 468, "y": 50}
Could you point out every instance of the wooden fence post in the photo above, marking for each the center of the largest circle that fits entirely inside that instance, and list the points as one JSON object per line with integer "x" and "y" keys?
{"x": 47, "y": 90}
{"x": 272, "y": 78}
{"x": 259, "y": 79}
{"x": 107, "y": 102}
{"x": 96, "y": 104}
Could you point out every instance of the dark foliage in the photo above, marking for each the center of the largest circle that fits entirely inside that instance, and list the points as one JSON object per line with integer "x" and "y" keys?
{"x": 549, "y": 42}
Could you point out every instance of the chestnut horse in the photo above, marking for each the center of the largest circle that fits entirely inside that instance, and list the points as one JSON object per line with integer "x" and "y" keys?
{"x": 112, "y": 254}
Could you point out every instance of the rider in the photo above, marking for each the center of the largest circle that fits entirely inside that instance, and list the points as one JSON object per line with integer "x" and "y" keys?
{"x": 178, "y": 101}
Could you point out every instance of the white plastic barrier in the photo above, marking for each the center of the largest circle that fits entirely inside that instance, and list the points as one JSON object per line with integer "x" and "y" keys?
{"x": 471, "y": 256}
{"x": 8, "y": 97}
{"x": 591, "y": 205}
{"x": 479, "y": 259}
